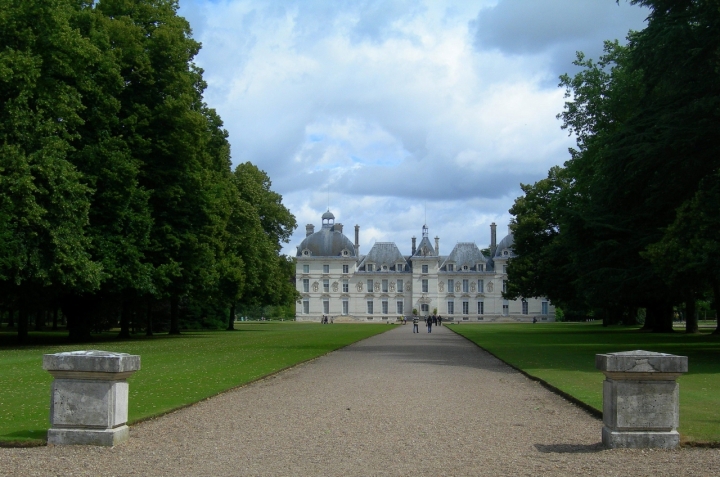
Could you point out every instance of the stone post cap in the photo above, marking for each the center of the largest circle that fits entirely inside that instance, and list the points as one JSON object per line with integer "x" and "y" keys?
{"x": 640, "y": 361}
{"x": 93, "y": 361}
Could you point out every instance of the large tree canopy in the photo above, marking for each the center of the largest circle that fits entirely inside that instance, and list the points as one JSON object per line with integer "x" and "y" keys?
{"x": 646, "y": 117}
{"x": 117, "y": 198}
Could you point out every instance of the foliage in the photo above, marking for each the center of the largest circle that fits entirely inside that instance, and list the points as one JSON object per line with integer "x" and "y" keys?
{"x": 563, "y": 355}
{"x": 117, "y": 199}
{"x": 646, "y": 118}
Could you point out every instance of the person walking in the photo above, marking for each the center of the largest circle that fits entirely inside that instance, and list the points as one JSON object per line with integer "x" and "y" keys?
{"x": 439, "y": 320}
{"x": 434, "y": 320}
{"x": 415, "y": 324}
{"x": 428, "y": 320}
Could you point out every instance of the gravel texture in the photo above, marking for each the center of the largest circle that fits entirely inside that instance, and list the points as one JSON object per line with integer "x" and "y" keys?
{"x": 395, "y": 404}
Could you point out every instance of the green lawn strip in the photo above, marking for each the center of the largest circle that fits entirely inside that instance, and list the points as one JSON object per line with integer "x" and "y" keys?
{"x": 176, "y": 370}
{"x": 563, "y": 355}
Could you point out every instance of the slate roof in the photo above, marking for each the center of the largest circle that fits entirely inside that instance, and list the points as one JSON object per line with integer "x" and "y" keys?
{"x": 383, "y": 253}
{"x": 464, "y": 253}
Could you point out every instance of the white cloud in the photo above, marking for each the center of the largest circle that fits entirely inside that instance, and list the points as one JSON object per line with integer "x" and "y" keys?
{"x": 395, "y": 108}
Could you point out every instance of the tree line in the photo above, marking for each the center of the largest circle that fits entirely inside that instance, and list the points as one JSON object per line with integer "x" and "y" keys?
{"x": 118, "y": 201}
{"x": 631, "y": 221}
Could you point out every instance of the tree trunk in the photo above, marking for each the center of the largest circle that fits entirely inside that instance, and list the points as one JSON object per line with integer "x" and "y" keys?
{"x": 663, "y": 317}
{"x": 125, "y": 319}
{"x": 716, "y": 293}
{"x": 174, "y": 315}
{"x": 148, "y": 318}
{"x": 22, "y": 325}
{"x": 231, "y": 318}
{"x": 691, "y": 322}
{"x": 55, "y": 319}
{"x": 11, "y": 318}
{"x": 649, "y": 324}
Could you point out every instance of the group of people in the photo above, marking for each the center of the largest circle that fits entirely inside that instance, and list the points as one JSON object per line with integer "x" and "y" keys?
{"x": 324, "y": 320}
{"x": 430, "y": 320}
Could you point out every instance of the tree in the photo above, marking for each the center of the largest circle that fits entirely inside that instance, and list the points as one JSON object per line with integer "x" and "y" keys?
{"x": 45, "y": 64}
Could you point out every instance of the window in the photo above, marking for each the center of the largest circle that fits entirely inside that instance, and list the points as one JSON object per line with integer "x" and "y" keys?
{"x": 450, "y": 267}
{"x": 465, "y": 268}
{"x": 326, "y": 268}
{"x": 369, "y": 267}
{"x": 326, "y": 307}
{"x": 466, "y": 286}
{"x": 306, "y": 285}
{"x": 506, "y": 308}
{"x": 399, "y": 267}
{"x": 481, "y": 308}
{"x": 326, "y": 285}
{"x": 451, "y": 285}
{"x": 399, "y": 307}
{"x": 346, "y": 268}
{"x": 384, "y": 268}
{"x": 384, "y": 305}
{"x": 524, "y": 307}
{"x": 369, "y": 307}
{"x": 424, "y": 286}
{"x": 345, "y": 307}
{"x": 466, "y": 308}
{"x": 306, "y": 307}
{"x": 400, "y": 286}
{"x": 385, "y": 288}
{"x": 306, "y": 268}
{"x": 504, "y": 286}
{"x": 451, "y": 307}
{"x": 544, "y": 308}
{"x": 424, "y": 268}
{"x": 424, "y": 307}
{"x": 481, "y": 286}
{"x": 504, "y": 268}
{"x": 480, "y": 267}
{"x": 346, "y": 286}
{"x": 369, "y": 286}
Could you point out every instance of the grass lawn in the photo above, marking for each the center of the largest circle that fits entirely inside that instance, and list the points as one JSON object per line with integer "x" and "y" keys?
{"x": 176, "y": 370}
{"x": 563, "y": 355}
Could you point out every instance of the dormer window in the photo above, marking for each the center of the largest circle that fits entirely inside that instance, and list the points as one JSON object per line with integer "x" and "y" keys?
{"x": 369, "y": 267}
{"x": 344, "y": 253}
{"x": 465, "y": 268}
{"x": 505, "y": 253}
{"x": 384, "y": 268}
{"x": 306, "y": 253}
{"x": 450, "y": 267}
{"x": 399, "y": 267}
{"x": 480, "y": 267}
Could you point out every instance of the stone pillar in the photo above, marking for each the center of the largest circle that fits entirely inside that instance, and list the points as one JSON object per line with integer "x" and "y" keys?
{"x": 640, "y": 398}
{"x": 89, "y": 397}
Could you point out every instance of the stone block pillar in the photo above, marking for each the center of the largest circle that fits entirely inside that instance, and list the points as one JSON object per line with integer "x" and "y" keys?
{"x": 640, "y": 398}
{"x": 89, "y": 397}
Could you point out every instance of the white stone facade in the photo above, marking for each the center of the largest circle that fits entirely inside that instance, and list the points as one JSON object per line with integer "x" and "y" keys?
{"x": 333, "y": 279}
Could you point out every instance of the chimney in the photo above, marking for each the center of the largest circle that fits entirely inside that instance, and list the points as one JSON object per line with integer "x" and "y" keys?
{"x": 413, "y": 246}
{"x": 357, "y": 240}
{"x": 338, "y": 228}
{"x": 437, "y": 245}
{"x": 493, "y": 239}
{"x": 309, "y": 229}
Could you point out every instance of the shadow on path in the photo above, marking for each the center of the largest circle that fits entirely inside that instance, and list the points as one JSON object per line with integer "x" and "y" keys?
{"x": 570, "y": 448}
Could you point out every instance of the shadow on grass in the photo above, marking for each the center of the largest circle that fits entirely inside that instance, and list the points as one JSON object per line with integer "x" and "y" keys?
{"x": 570, "y": 448}
{"x": 8, "y": 338}
{"x": 28, "y": 438}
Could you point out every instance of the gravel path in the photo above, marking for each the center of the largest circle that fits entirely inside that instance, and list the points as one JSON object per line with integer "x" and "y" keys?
{"x": 395, "y": 404}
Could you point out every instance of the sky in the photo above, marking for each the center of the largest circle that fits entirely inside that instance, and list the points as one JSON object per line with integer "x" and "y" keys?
{"x": 395, "y": 114}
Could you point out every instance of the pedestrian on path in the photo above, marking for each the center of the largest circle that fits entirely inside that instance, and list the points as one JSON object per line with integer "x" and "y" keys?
{"x": 439, "y": 320}
{"x": 416, "y": 321}
{"x": 429, "y": 323}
